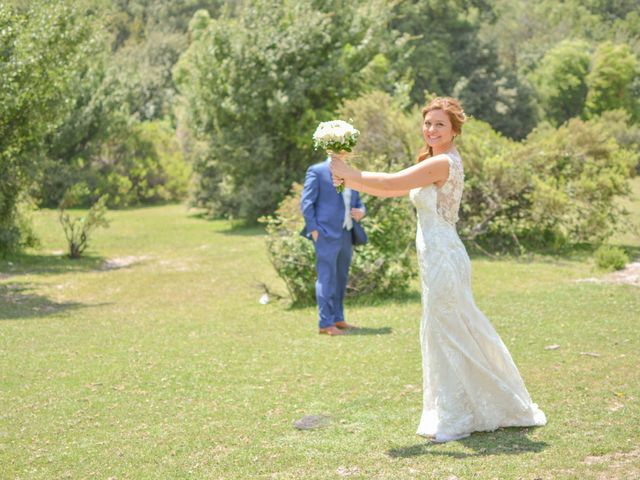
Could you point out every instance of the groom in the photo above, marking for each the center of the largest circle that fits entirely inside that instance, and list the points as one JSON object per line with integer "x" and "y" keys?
{"x": 329, "y": 217}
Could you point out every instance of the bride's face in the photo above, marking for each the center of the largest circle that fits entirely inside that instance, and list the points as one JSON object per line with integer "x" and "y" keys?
{"x": 437, "y": 129}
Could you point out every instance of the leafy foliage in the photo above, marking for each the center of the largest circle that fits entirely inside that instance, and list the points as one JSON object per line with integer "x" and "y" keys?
{"x": 292, "y": 256}
{"x": 524, "y": 31}
{"x": 142, "y": 164}
{"x": 89, "y": 97}
{"x": 145, "y": 166}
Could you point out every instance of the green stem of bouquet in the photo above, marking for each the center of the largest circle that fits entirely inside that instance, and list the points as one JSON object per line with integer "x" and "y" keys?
{"x": 339, "y": 188}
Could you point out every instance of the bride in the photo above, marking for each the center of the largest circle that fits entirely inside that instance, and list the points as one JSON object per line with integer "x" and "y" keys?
{"x": 470, "y": 380}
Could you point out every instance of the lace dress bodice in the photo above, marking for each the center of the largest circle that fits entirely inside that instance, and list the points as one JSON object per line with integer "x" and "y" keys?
{"x": 443, "y": 201}
{"x": 437, "y": 210}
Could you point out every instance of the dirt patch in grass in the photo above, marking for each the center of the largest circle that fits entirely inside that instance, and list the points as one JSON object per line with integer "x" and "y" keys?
{"x": 619, "y": 464}
{"x": 122, "y": 262}
{"x": 174, "y": 265}
{"x": 629, "y": 276}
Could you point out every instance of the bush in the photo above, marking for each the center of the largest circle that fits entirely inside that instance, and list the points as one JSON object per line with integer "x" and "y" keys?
{"x": 610, "y": 258}
{"x": 558, "y": 186}
{"x": 292, "y": 256}
{"x": 377, "y": 268}
{"x": 78, "y": 230}
{"x": 16, "y": 231}
{"x": 147, "y": 167}
{"x": 138, "y": 164}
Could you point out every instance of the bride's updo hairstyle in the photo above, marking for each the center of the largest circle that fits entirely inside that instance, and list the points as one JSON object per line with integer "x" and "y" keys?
{"x": 456, "y": 114}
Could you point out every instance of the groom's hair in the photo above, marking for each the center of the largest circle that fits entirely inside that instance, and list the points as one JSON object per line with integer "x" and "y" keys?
{"x": 453, "y": 109}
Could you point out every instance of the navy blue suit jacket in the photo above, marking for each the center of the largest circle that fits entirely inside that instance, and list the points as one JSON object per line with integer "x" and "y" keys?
{"x": 323, "y": 207}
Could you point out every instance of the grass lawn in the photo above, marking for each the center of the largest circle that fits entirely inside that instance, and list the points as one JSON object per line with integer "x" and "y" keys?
{"x": 166, "y": 366}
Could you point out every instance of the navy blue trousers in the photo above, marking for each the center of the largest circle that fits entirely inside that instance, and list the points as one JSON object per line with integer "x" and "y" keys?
{"x": 333, "y": 258}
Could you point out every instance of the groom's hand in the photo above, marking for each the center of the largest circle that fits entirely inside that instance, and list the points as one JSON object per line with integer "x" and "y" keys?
{"x": 314, "y": 235}
{"x": 357, "y": 213}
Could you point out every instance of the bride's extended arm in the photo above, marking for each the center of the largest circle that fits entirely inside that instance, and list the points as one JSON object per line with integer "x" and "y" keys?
{"x": 376, "y": 191}
{"x": 427, "y": 172}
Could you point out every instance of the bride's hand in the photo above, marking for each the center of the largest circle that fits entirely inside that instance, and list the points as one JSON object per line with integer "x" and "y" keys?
{"x": 340, "y": 170}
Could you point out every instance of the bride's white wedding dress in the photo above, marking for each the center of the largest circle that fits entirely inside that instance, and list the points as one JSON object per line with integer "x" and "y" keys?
{"x": 470, "y": 380}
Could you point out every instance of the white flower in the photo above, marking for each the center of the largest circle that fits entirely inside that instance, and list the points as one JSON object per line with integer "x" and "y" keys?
{"x": 336, "y": 135}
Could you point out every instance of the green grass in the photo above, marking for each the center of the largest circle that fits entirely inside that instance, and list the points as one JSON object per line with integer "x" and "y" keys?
{"x": 170, "y": 368}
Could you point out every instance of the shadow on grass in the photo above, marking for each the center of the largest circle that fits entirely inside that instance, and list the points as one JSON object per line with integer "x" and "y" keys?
{"x": 233, "y": 227}
{"x": 19, "y": 303}
{"x": 507, "y": 441}
{"x": 244, "y": 230}
{"x": 370, "y": 331}
{"x": 25, "y": 264}
{"x": 410, "y": 296}
{"x": 200, "y": 215}
{"x": 579, "y": 252}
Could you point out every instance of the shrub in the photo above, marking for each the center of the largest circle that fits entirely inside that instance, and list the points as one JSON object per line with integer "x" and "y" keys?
{"x": 16, "y": 230}
{"x": 380, "y": 267}
{"x": 610, "y": 258}
{"x": 558, "y": 186}
{"x": 78, "y": 230}
{"x": 137, "y": 164}
{"x": 145, "y": 167}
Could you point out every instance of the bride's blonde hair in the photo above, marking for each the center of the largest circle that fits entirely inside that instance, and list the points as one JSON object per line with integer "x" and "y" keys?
{"x": 456, "y": 114}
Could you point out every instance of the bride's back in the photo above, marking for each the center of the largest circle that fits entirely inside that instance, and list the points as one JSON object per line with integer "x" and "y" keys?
{"x": 444, "y": 201}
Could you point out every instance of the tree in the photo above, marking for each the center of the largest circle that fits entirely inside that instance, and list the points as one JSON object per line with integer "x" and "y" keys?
{"x": 448, "y": 57}
{"x": 255, "y": 87}
{"x": 561, "y": 80}
{"x": 614, "y": 80}
{"x": 116, "y": 104}
{"x": 612, "y": 9}
{"x": 444, "y": 42}
{"x": 42, "y": 47}
{"x": 524, "y": 31}
{"x": 500, "y": 98}
{"x": 627, "y": 30}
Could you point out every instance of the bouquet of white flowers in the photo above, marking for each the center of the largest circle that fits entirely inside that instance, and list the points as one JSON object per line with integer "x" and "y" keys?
{"x": 335, "y": 136}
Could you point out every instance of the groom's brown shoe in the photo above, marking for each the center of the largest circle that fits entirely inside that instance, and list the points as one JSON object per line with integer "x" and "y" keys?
{"x": 345, "y": 326}
{"x": 331, "y": 331}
